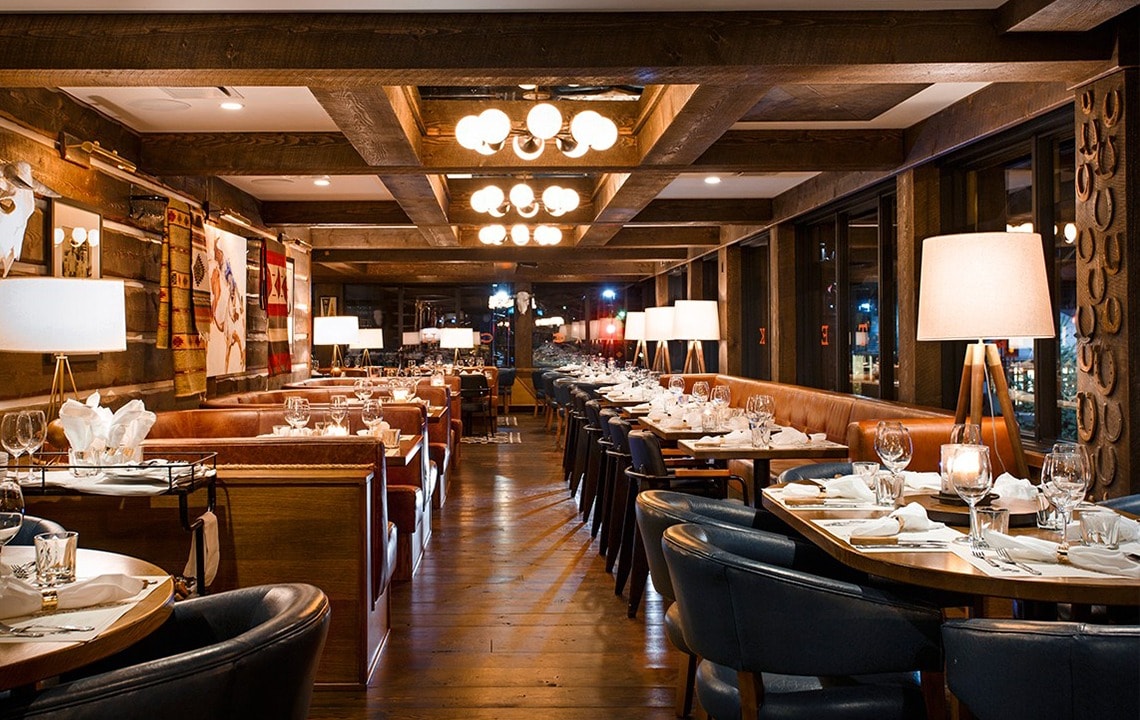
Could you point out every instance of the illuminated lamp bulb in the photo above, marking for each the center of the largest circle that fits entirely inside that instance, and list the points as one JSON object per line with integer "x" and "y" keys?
{"x": 547, "y": 235}
{"x": 93, "y": 237}
{"x": 1070, "y": 233}
{"x": 571, "y": 148}
{"x": 583, "y": 127}
{"x": 544, "y": 121}
{"x": 485, "y": 149}
{"x": 605, "y": 134}
{"x": 479, "y": 201}
{"x": 59, "y": 236}
{"x": 570, "y": 200}
{"x": 529, "y": 211}
{"x": 468, "y": 133}
{"x": 529, "y": 147}
{"x": 78, "y": 236}
{"x": 520, "y": 235}
{"x": 611, "y": 328}
{"x": 494, "y": 126}
{"x": 492, "y": 234}
{"x": 552, "y": 200}
{"x": 521, "y": 195}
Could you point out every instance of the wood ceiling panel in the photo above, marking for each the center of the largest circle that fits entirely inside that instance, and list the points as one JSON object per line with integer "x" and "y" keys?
{"x": 806, "y": 103}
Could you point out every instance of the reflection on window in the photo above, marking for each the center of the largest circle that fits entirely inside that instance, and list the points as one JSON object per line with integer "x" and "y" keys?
{"x": 863, "y": 301}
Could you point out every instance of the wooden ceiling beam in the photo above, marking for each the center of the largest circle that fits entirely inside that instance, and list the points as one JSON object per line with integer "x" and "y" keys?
{"x": 501, "y": 253}
{"x": 481, "y": 273}
{"x": 334, "y": 213}
{"x": 1058, "y": 15}
{"x": 280, "y": 153}
{"x": 646, "y": 237}
{"x": 366, "y": 49}
{"x": 704, "y": 212}
{"x": 803, "y": 151}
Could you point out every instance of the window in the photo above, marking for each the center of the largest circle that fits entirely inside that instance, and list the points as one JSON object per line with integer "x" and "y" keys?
{"x": 756, "y": 356}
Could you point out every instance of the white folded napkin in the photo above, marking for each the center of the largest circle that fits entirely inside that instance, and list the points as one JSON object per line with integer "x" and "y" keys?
{"x": 673, "y": 423}
{"x": 1008, "y": 487}
{"x": 656, "y": 415}
{"x": 210, "y": 530}
{"x": 802, "y": 490}
{"x": 1029, "y": 549}
{"x": 1127, "y": 529}
{"x": 129, "y": 426}
{"x": 736, "y": 437}
{"x": 909, "y": 518}
{"x": 1113, "y": 562}
{"x": 849, "y": 487}
{"x": 19, "y": 598}
{"x": 789, "y": 437}
{"x": 693, "y": 418}
{"x": 738, "y": 422}
{"x": 920, "y": 481}
{"x": 85, "y": 423}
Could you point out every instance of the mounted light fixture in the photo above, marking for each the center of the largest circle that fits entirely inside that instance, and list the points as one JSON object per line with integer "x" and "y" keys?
{"x": 555, "y": 200}
{"x": 487, "y": 132}
{"x": 520, "y": 235}
{"x": 81, "y": 152}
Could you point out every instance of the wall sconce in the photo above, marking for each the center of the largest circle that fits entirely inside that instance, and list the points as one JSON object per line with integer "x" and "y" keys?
{"x": 81, "y": 152}
{"x": 216, "y": 213}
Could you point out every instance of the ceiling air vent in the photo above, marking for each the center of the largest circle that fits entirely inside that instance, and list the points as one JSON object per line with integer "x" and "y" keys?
{"x": 202, "y": 93}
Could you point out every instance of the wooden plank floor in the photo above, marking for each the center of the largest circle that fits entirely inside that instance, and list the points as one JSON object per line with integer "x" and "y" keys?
{"x": 512, "y": 615}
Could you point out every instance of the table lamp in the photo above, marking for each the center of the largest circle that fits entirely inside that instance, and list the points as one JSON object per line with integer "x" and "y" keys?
{"x": 61, "y": 316}
{"x": 695, "y": 320}
{"x": 975, "y": 286}
{"x": 635, "y": 330}
{"x": 335, "y": 330}
{"x": 455, "y": 339}
{"x": 659, "y": 329}
{"x": 410, "y": 338}
{"x": 367, "y": 339}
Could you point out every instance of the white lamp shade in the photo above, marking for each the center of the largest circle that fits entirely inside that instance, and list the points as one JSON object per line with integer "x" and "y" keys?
{"x": 429, "y": 335}
{"x": 579, "y": 329}
{"x": 368, "y": 339}
{"x": 635, "y": 326}
{"x": 62, "y": 315}
{"x": 659, "y": 323}
{"x": 975, "y": 286}
{"x": 411, "y": 338}
{"x": 455, "y": 338}
{"x": 476, "y": 338}
{"x": 696, "y": 320}
{"x": 595, "y": 329}
{"x": 335, "y": 329}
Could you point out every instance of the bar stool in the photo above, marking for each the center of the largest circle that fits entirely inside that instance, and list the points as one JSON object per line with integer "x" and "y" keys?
{"x": 593, "y": 458}
{"x": 605, "y": 474}
{"x": 619, "y": 493}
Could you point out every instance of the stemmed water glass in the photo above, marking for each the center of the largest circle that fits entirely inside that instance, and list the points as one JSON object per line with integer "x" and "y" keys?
{"x": 677, "y": 387}
{"x": 701, "y": 391}
{"x": 371, "y": 413}
{"x": 11, "y": 511}
{"x": 362, "y": 388}
{"x": 32, "y": 429}
{"x": 971, "y": 478}
{"x": 339, "y": 410}
{"x": 10, "y": 439}
{"x": 297, "y": 412}
{"x": 893, "y": 445}
{"x": 1065, "y": 477}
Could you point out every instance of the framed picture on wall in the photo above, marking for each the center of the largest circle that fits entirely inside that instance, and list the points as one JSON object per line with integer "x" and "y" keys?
{"x": 328, "y": 305}
{"x": 76, "y": 237}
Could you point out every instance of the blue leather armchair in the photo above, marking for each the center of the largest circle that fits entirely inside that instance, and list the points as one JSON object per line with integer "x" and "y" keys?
{"x": 33, "y": 526}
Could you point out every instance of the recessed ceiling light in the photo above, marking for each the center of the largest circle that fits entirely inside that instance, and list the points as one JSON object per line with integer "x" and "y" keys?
{"x": 322, "y": 182}
{"x": 712, "y": 180}
{"x": 231, "y": 105}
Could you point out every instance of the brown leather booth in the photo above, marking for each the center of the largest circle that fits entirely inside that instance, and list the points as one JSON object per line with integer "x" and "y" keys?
{"x": 928, "y": 435}
{"x": 312, "y": 510}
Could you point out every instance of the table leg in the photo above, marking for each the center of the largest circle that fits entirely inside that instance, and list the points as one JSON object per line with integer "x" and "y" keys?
{"x": 760, "y": 471}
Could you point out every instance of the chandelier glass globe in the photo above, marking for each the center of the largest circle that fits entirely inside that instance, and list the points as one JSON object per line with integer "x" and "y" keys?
{"x": 468, "y": 132}
{"x": 544, "y": 121}
{"x": 521, "y": 196}
{"x": 520, "y": 235}
{"x": 492, "y": 234}
{"x": 495, "y": 126}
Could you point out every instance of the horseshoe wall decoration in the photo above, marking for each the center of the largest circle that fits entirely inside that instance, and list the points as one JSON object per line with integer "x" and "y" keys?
{"x": 1111, "y": 253}
{"x": 1113, "y": 316}
{"x": 1086, "y": 416}
{"x": 1113, "y": 420}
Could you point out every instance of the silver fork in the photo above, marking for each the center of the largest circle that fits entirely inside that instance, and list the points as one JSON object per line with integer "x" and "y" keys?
{"x": 1005, "y": 557}
{"x": 23, "y": 572}
{"x": 978, "y": 553}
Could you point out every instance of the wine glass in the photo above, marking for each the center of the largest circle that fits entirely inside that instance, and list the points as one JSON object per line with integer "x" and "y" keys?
{"x": 971, "y": 478}
{"x": 893, "y": 445}
{"x": 677, "y": 387}
{"x": 721, "y": 396}
{"x": 339, "y": 410}
{"x": 362, "y": 388}
{"x": 297, "y": 412}
{"x": 11, "y": 511}
{"x": 761, "y": 408}
{"x": 1065, "y": 477}
{"x": 371, "y": 413}
{"x": 32, "y": 429}
{"x": 701, "y": 391}
{"x": 10, "y": 439}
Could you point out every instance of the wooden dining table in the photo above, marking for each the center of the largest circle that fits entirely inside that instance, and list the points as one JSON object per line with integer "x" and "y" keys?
{"x": 26, "y": 663}
{"x": 948, "y": 571}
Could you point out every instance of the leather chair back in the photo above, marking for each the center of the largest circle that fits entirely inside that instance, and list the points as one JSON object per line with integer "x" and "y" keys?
{"x": 645, "y": 453}
{"x": 247, "y": 653}
{"x": 1026, "y": 670}
{"x": 537, "y": 382}
{"x": 815, "y": 471}
{"x": 32, "y": 526}
{"x": 619, "y": 433}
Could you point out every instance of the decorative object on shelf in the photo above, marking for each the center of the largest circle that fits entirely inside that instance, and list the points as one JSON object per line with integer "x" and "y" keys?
{"x": 659, "y": 329}
{"x": 545, "y": 235}
{"x": 555, "y": 200}
{"x": 695, "y": 320}
{"x": 62, "y": 316}
{"x": 368, "y": 339}
{"x": 488, "y": 132}
{"x": 77, "y": 234}
{"x": 17, "y": 203}
{"x": 335, "y": 330}
{"x": 975, "y": 286}
{"x": 635, "y": 330}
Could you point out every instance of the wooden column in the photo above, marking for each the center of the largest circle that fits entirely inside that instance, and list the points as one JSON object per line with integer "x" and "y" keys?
{"x": 524, "y": 332}
{"x": 731, "y": 299}
{"x": 919, "y": 217}
{"x": 1108, "y": 323}
{"x": 782, "y": 294}
{"x": 696, "y": 280}
{"x": 661, "y": 289}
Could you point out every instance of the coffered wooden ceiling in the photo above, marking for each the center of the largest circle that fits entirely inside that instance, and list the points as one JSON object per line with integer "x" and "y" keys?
{"x": 765, "y": 97}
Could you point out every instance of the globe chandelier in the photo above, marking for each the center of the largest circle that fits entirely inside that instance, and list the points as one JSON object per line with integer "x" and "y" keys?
{"x": 488, "y": 132}
{"x": 520, "y": 235}
{"x": 555, "y": 200}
